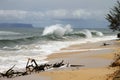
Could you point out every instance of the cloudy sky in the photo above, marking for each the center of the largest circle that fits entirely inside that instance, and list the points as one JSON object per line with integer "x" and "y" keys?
{"x": 47, "y": 12}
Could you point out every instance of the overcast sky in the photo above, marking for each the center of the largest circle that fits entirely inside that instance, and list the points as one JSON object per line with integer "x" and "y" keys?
{"x": 53, "y": 11}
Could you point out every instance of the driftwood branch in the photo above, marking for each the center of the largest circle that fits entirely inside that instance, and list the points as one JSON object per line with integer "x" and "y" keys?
{"x": 76, "y": 65}
{"x": 32, "y": 66}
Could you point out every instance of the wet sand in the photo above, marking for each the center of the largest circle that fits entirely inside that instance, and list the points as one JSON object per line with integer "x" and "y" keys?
{"x": 95, "y": 57}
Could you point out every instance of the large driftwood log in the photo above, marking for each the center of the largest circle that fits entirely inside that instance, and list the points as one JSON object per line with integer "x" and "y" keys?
{"x": 32, "y": 66}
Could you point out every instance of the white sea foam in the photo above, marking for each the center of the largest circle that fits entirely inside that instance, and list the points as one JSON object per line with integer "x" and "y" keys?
{"x": 57, "y": 30}
{"x": 87, "y": 33}
{"x": 84, "y": 50}
{"x": 9, "y": 33}
{"x": 98, "y": 33}
{"x": 20, "y": 53}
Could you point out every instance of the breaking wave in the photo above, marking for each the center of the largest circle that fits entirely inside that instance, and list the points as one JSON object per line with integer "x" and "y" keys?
{"x": 54, "y": 32}
{"x": 57, "y": 30}
{"x": 60, "y": 31}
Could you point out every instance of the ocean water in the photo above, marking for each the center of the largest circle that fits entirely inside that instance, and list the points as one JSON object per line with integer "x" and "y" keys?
{"x": 19, "y": 44}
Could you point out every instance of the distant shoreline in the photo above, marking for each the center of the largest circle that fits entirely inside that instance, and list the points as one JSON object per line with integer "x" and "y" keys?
{"x": 15, "y": 25}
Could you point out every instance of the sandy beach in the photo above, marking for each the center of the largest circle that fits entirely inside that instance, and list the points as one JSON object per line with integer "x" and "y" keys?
{"x": 95, "y": 57}
{"x": 59, "y": 40}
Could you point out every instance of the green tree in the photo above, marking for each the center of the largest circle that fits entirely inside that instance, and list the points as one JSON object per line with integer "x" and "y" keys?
{"x": 113, "y": 17}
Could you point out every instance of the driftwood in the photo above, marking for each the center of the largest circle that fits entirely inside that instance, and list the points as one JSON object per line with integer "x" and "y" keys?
{"x": 11, "y": 73}
{"x": 56, "y": 65}
{"x": 8, "y": 73}
{"x": 32, "y": 66}
{"x": 76, "y": 65}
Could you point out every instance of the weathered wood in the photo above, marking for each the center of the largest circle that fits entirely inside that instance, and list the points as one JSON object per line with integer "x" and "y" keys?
{"x": 76, "y": 65}
{"x": 9, "y": 73}
{"x": 33, "y": 60}
{"x": 32, "y": 66}
{"x": 56, "y": 65}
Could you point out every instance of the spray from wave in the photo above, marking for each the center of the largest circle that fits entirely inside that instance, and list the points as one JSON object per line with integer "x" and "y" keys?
{"x": 60, "y": 31}
{"x": 57, "y": 30}
{"x": 87, "y": 33}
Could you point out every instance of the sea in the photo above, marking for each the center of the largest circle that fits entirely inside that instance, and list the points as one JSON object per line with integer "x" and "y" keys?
{"x": 19, "y": 44}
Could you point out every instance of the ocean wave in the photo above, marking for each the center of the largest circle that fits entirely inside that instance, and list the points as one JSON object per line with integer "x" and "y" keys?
{"x": 60, "y": 31}
{"x": 97, "y": 33}
{"x": 86, "y": 33}
{"x": 9, "y": 33}
{"x": 36, "y": 45}
{"x": 57, "y": 30}
{"x": 14, "y": 42}
{"x": 50, "y": 33}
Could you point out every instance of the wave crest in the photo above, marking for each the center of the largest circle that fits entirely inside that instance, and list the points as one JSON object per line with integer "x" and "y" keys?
{"x": 97, "y": 33}
{"x": 9, "y": 33}
{"x": 57, "y": 30}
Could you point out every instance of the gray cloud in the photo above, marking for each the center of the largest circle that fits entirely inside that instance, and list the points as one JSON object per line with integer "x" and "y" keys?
{"x": 20, "y": 15}
{"x": 53, "y": 11}
{"x": 51, "y": 14}
{"x": 56, "y": 4}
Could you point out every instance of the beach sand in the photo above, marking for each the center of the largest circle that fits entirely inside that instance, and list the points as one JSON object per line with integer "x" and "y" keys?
{"x": 81, "y": 74}
{"x": 95, "y": 57}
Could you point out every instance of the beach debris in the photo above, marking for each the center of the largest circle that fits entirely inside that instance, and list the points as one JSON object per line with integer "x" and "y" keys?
{"x": 57, "y": 65}
{"x": 76, "y": 65}
{"x": 8, "y": 73}
{"x": 32, "y": 66}
{"x": 105, "y": 44}
{"x": 12, "y": 73}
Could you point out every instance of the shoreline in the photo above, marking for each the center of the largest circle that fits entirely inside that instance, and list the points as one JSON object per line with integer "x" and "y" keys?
{"x": 83, "y": 73}
{"x": 83, "y": 48}
{"x": 97, "y": 57}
